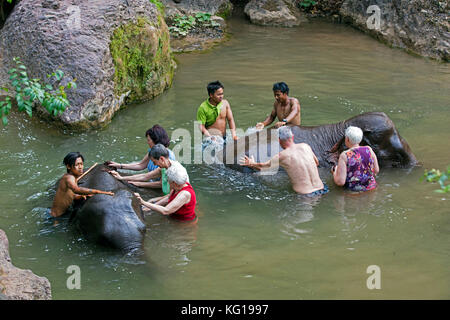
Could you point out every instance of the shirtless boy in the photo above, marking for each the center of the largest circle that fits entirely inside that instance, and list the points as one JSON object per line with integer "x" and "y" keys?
{"x": 287, "y": 109}
{"x": 214, "y": 113}
{"x": 68, "y": 190}
{"x": 299, "y": 162}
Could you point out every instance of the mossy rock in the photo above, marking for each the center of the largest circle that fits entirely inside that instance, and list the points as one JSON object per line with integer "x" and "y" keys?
{"x": 143, "y": 61}
{"x": 225, "y": 10}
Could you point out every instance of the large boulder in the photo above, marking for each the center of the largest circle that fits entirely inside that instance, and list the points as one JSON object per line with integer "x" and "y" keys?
{"x": 202, "y": 35}
{"x": 419, "y": 26}
{"x": 19, "y": 284}
{"x": 116, "y": 49}
{"x": 281, "y": 13}
{"x": 221, "y": 8}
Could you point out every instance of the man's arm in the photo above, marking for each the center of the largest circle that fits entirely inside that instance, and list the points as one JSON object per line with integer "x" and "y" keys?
{"x": 269, "y": 119}
{"x": 231, "y": 121}
{"x": 72, "y": 185}
{"x": 145, "y": 177}
{"x": 250, "y": 162}
{"x": 294, "y": 111}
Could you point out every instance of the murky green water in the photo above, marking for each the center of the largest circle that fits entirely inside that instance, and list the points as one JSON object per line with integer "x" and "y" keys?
{"x": 255, "y": 239}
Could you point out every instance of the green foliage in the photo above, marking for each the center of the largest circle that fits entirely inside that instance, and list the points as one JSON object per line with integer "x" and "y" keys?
{"x": 434, "y": 175}
{"x": 307, "y": 3}
{"x": 142, "y": 59}
{"x": 29, "y": 91}
{"x": 183, "y": 24}
{"x": 159, "y": 5}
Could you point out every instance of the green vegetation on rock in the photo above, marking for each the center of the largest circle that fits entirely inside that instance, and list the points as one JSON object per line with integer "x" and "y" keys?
{"x": 30, "y": 91}
{"x": 225, "y": 10}
{"x": 142, "y": 58}
{"x": 183, "y": 24}
{"x": 159, "y": 5}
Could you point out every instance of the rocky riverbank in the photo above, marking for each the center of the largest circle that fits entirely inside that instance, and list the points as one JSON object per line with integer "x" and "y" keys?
{"x": 196, "y": 24}
{"x": 19, "y": 284}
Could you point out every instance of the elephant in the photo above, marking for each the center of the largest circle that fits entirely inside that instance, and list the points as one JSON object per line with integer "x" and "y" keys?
{"x": 327, "y": 142}
{"x": 115, "y": 221}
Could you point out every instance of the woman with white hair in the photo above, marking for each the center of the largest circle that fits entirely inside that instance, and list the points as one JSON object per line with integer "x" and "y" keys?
{"x": 357, "y": 166}
{"x": 181, "y": 201}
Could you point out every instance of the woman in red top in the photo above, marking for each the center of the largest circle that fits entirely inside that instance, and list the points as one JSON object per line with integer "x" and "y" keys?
{"x": 181, "y": 201}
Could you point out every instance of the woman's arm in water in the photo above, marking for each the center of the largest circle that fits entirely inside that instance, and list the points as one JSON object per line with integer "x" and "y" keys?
{"x": 181, "y": 199}
{"x": 376, "y": 168}
{"x": 340, "y": 172}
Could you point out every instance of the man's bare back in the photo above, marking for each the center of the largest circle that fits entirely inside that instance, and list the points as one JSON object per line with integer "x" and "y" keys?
{"x": 300, "y": 164}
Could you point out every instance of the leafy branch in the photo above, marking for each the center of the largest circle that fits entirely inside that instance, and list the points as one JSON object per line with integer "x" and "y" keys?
{"x": 434, "y": 175}
{"x": 183, "y": 24}
{"x": 28, "y": 91}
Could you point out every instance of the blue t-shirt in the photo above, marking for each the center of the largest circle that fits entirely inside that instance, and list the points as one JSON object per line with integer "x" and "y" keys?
{"x": 151, "y": 166}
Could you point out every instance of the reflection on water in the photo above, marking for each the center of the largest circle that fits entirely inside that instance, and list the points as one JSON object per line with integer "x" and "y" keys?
{"x": 255, "y": 238}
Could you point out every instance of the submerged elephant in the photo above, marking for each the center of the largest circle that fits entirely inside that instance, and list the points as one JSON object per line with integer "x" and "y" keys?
{"x": 113, "y": 221}
{"x": 327, "y": 142}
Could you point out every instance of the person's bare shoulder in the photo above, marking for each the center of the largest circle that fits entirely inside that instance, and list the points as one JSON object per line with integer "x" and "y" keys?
{"x": 226, "y": 103}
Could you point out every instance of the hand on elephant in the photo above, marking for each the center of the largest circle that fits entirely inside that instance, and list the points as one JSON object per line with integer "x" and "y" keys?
{"x": 259, "y": 126}
{"x": 138, "y": 196}
{"x": 279, "y": 124}
{"x": 116, "y": 175}
{"x": 112, "y": 164}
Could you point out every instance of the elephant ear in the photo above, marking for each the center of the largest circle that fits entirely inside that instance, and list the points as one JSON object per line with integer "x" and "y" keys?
{"x": 337, "y": 146}
{"x": 335, "y": 151}
{"x": 365, "y": 140}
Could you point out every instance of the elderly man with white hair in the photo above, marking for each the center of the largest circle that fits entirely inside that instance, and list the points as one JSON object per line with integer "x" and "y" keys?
{"x": 298, "y": 160}
{"x": 181, "y": 201}
{"x": 357, "y": 166}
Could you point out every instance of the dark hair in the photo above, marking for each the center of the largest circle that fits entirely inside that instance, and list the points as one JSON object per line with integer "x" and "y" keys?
{"x": 71, "y": 158}
{"x": 283, "y": 87}
{"x": 159, "y": 151}
{"x": 158, "y": 135}
{"x": 213, "y": 87}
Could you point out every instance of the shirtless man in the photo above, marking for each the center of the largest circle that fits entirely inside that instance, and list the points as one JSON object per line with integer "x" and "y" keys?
{"x": 299, "y": 162}
{"x": 68, "y": 190}
{"x": 287, "y": 109}
{"x": 214, "y": 112}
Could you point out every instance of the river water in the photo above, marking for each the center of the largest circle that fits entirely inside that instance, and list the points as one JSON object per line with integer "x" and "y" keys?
{"x": 255, "y": 238}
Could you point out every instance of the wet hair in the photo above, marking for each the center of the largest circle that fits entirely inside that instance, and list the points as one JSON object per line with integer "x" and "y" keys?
{"x": 283, "y": 87}
{"x": 71, "y": 158}
{"x": 213, "y": 87}
{"x": 354, "y": 134}
{"x": 177, "y": 173}
{"x": 285, "y": 133}
{"x": 158, "y": 135}
{"x": 159, "y": 151}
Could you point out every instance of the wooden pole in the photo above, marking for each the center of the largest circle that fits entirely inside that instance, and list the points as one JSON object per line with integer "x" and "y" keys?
{"x": 85, "y": 173}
